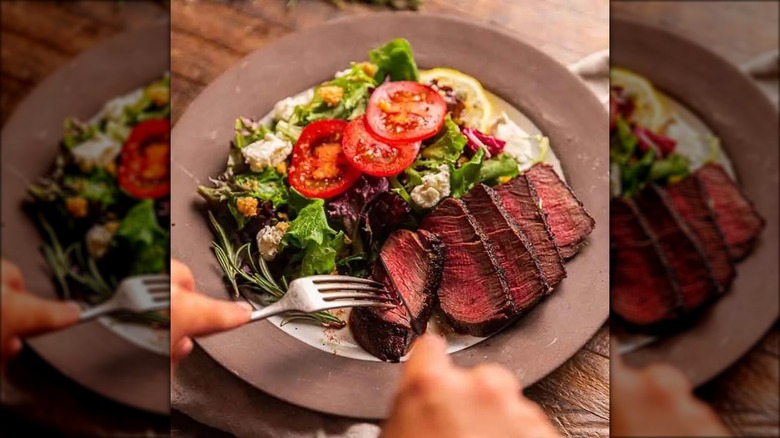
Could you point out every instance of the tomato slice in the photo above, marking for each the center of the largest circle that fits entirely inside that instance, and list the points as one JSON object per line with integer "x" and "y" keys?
{"x": 373, "y": 156}
{"x": 145, "y": 163}
{"x": 404, "y": 112}
{"x": 319, "y": 168}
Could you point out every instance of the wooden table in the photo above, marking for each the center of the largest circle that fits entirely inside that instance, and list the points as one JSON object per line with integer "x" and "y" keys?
{"x": 746, "y": 395}
{"x": 208, "y": 37}
{"x": 37, "y": 39}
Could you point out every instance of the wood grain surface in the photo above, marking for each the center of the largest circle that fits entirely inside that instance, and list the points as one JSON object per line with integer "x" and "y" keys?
{"x": 745, "y": 395}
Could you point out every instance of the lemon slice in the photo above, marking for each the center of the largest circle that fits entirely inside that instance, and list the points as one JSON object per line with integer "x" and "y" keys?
{"x": 478, "y": 111}
{"x": 650, "y": 110}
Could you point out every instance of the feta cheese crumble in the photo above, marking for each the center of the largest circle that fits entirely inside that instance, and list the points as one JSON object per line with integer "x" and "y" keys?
{"x": 285, "y": 108}
{"x": 99, "y": 151}
{"x": 269, "y": 240}
{"x": 434, "y": 187}
{"x": 98, "y": 240}
{"x": 525, "y": 148}
{"x": 270, "y": 151}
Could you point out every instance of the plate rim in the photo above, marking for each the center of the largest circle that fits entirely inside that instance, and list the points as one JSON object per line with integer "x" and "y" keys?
{"x": 214, "y": 345}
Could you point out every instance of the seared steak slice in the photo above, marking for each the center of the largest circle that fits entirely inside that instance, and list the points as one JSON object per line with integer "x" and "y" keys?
{"x": 643, "y": 288}
{"x": 513, "y": 251}
{"x": 680, "y": 248}
{"x": 689, "y": 200}
{"x": 410, "y": 266}
{"x": 521, "y": 202}
{"x": 569, "y": 222}
{"x": 737, "y": 219}
{"x": 474, "y": 293}
{"x": 414, "y": 262}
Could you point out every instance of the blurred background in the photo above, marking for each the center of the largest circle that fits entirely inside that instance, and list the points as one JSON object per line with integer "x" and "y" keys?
{"x": 39, "y": 38}
{"x": 745, "y": 395}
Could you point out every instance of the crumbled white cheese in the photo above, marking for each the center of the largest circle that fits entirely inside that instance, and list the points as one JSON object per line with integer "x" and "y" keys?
{"x": 269, "y": 151}
{"x": 525, "y": 148}
{"x": 699, "y": 148}
{"x": 98, "y": 239}
{"x": 343, "y": 72}
{"x": 285, "y": 108}
{"x": 269, "y": 239}
{"x": 434, "y": 187}
{"x": 115, "y": 108}
{"x": 98, "y": 151}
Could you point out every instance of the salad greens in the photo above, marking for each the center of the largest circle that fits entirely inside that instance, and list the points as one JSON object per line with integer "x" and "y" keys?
{"x": 638, "y": 166}
{"x": 263, "y": 225}
{"x": 97, "y": 230}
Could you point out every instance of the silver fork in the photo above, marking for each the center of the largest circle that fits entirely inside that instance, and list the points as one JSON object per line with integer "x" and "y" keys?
{"x": 325, "y": 292}
{"x": 142, "y": 293}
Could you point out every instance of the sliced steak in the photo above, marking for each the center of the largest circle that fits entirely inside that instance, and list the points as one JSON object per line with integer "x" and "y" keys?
{"x": 474, "y": 293}
{"x": 520, "y": 200}
{"x": 569, "y": 222}
{"x": 414, "y": 262}
{"x": 410, "y": 266}
{"x": 680, "y": 248}
{"x": 512, "y": 248}
{"x": 643, "y": 288}
{"x": 737, "y": 219}
{"x": 689, "y": 200}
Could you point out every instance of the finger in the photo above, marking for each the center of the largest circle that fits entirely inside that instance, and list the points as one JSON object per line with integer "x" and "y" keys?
{"x": 12, "y": 277}
{"x": 495, "y": 379}
{"x": 182, "y": 348}
{"x": 665, "y": 379}
{"x": 181, "y": 275}
{"x": 196, "y": 314}
{"x": 33, "y": 315}
{"x": 428, "y": 358}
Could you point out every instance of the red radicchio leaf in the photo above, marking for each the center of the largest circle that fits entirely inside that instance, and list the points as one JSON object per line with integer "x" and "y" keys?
{"x": 649, "y": 139}
{"x": 476, "y": 140}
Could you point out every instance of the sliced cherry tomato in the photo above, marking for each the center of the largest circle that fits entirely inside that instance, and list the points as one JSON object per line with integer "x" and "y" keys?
{"x": 404, "y": 112}
{"x": 373, "y": 156}
{"x": 145, "y": 163}
{"x": 319, "y": 168}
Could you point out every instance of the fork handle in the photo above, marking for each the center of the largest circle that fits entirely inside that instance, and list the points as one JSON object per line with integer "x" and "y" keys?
{"x": 269, "y": 311}
{"x": 97, "y": 311}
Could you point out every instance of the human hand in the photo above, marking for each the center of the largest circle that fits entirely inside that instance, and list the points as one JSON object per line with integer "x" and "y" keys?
{"x": 195, "y": 314}
{"x": 437, "y": 399}
{"x": 657, "y": 400}
{"x": 24, "y": 314}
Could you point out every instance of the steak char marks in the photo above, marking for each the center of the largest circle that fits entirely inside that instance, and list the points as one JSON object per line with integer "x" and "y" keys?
{"x": 410, "y": 267}
{"x": 735, "y": 215}
{"x": 521, "y": 202}
{"x": 569, "y": 222}
{"x": 474, "y": 293}
{"x": 643, "y": 288}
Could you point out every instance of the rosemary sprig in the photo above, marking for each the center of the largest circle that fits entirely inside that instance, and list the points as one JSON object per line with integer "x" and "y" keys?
{"x": 258, "y": 278}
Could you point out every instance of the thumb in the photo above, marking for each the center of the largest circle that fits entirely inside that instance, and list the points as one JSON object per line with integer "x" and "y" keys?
{"x": 33, "y": 315}
{"x": 196, "y": 314}
{"x": 429, "y": 352}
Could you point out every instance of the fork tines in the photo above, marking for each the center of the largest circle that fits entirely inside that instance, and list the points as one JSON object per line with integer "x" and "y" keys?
{"x": 334, "y": 287}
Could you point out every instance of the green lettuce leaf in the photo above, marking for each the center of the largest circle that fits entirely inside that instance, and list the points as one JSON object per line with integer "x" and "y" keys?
{"x": 316, "y": 243}
{"x": 396, "y": 60}
{"x": 502, "y": 165}
{"x": 147, "y": 239}
{"x": 462, "y": 179}
{"x": 267, "y": 185}
{"x": 448, "y": 145}
{"x": 355, "y": 85}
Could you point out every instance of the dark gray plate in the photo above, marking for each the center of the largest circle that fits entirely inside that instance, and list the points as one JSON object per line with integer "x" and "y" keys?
{"x": 746, "y": 122}
{"x": 90, "y": 353}
{"x": 556, "y": 101}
